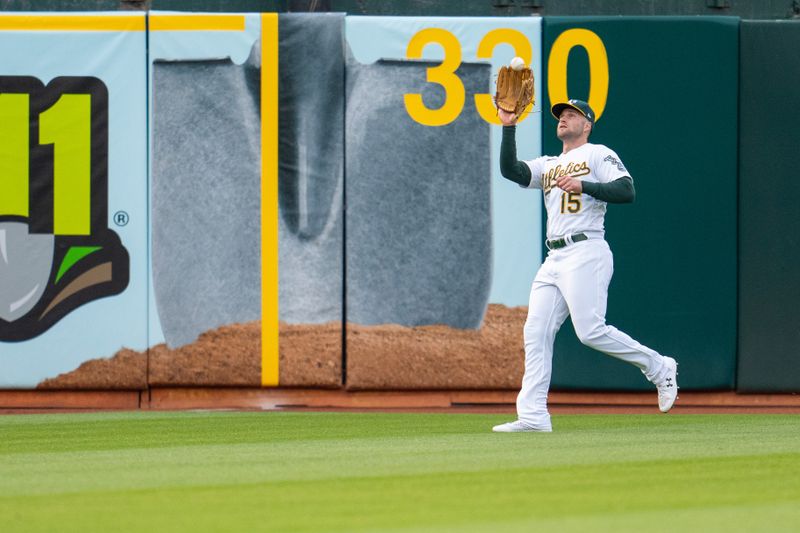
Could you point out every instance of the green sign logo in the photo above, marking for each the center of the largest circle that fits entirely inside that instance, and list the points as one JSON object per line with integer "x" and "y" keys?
{"x": 56, "y": 249}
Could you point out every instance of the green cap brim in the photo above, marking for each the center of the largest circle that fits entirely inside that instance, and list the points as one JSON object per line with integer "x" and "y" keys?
{"x": 559, "y": 108}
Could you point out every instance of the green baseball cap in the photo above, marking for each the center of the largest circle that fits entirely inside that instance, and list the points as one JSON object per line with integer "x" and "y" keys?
{"x": 578, "y": 105}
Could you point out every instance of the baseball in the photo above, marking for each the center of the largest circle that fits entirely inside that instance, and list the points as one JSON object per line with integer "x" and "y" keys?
{"x": 517, "y": 63}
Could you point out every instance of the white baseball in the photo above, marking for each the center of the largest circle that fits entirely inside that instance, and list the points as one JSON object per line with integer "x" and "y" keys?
{"x": 517, "y": 63}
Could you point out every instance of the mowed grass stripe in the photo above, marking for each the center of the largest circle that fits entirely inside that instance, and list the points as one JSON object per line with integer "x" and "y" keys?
{"x": 142, "y": 468}
{"x": 166, "y": 429}
{"x": 773, "y": 517}
{"x": 447, "y": 500}
{"x": 383, "y": 445}
{"x": 114, "y": 431}
{"x": 382, "y": 472}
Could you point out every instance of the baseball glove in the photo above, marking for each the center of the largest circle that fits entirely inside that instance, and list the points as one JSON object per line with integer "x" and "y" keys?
{"x": 514, "y": 89}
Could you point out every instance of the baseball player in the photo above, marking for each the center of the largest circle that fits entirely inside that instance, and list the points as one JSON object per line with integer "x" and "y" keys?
{"x": 573, "y": 280}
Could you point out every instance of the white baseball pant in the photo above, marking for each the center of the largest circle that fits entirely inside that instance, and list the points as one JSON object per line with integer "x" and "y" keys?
{"x": 573, "y": 281}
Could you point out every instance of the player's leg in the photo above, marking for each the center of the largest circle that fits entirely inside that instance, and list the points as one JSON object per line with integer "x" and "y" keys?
{"x": 584, "y": 284}
{"x": 546, "y": 312}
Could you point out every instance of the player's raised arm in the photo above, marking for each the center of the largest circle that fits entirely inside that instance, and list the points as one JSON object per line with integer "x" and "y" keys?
{"x": 510, "y": 167}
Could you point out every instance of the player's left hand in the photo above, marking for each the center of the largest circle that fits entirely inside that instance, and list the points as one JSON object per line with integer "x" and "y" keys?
{"x": 507, "y": 118}
{"x": 569, "y": 184}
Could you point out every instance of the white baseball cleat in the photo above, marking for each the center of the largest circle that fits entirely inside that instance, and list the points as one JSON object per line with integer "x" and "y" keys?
{"x": 518, "y": 427}
{"x": 668, "y": 389}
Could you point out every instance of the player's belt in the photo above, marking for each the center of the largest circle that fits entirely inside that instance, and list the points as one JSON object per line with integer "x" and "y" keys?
{"x": 555, "y": 244}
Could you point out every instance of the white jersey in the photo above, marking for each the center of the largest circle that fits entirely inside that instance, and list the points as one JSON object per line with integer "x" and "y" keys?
{"x": 569, "y": 213}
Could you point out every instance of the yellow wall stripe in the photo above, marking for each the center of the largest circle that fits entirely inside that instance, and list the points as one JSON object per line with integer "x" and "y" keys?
{"x": 197, "y": 22}
{"x": 269, "y": 199}
{"x": 71, "y": 23}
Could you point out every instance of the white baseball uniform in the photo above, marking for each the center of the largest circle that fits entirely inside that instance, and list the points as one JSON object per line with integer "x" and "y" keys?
{"x": 574, "y": 279}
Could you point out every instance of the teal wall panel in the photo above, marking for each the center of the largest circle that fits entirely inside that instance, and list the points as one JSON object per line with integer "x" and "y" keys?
{"x": 671, "y": 115}
{"x": 769, "y": 225}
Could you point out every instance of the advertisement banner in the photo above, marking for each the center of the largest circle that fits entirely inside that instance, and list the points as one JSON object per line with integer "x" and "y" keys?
{"x": 311, "y": 199}
{"x": 440, "y": 249}
{"x": 246, "y": 199}
{"x": 73, "y": 201}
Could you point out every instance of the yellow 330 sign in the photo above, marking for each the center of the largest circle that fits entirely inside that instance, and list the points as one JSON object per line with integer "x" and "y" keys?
{"x": 445, "y": 75}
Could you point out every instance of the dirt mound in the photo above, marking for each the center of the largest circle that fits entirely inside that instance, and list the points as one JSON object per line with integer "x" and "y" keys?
{"x": 126, "y": 370}
{"x": 439, "y": 357}
{"x": 310, "y": 356}
{"x": 386, "y": 356}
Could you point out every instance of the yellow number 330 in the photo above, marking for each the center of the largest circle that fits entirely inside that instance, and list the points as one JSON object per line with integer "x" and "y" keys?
{"x": 445, "y": 75}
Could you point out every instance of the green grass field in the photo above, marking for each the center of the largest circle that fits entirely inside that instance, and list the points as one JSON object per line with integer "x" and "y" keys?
{"x": 232, "y": 471}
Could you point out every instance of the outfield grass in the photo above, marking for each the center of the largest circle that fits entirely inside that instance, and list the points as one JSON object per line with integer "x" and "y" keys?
{"x": 230, "y": 471}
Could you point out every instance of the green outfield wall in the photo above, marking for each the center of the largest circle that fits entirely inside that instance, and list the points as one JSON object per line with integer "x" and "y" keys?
{"x": 253, "y": 234}
{"x": 668, "y": 107}
{"x": 769, "y": 225}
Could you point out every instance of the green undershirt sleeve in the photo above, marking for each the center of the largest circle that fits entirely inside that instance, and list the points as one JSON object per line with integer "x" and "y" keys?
{"x": 510, "y": 167}
{"x": 619, "y": 191}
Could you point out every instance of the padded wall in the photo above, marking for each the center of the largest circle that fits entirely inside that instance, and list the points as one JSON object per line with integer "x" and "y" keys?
{"x": 671, "y": 115}
{"x": 769, "y": 226}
